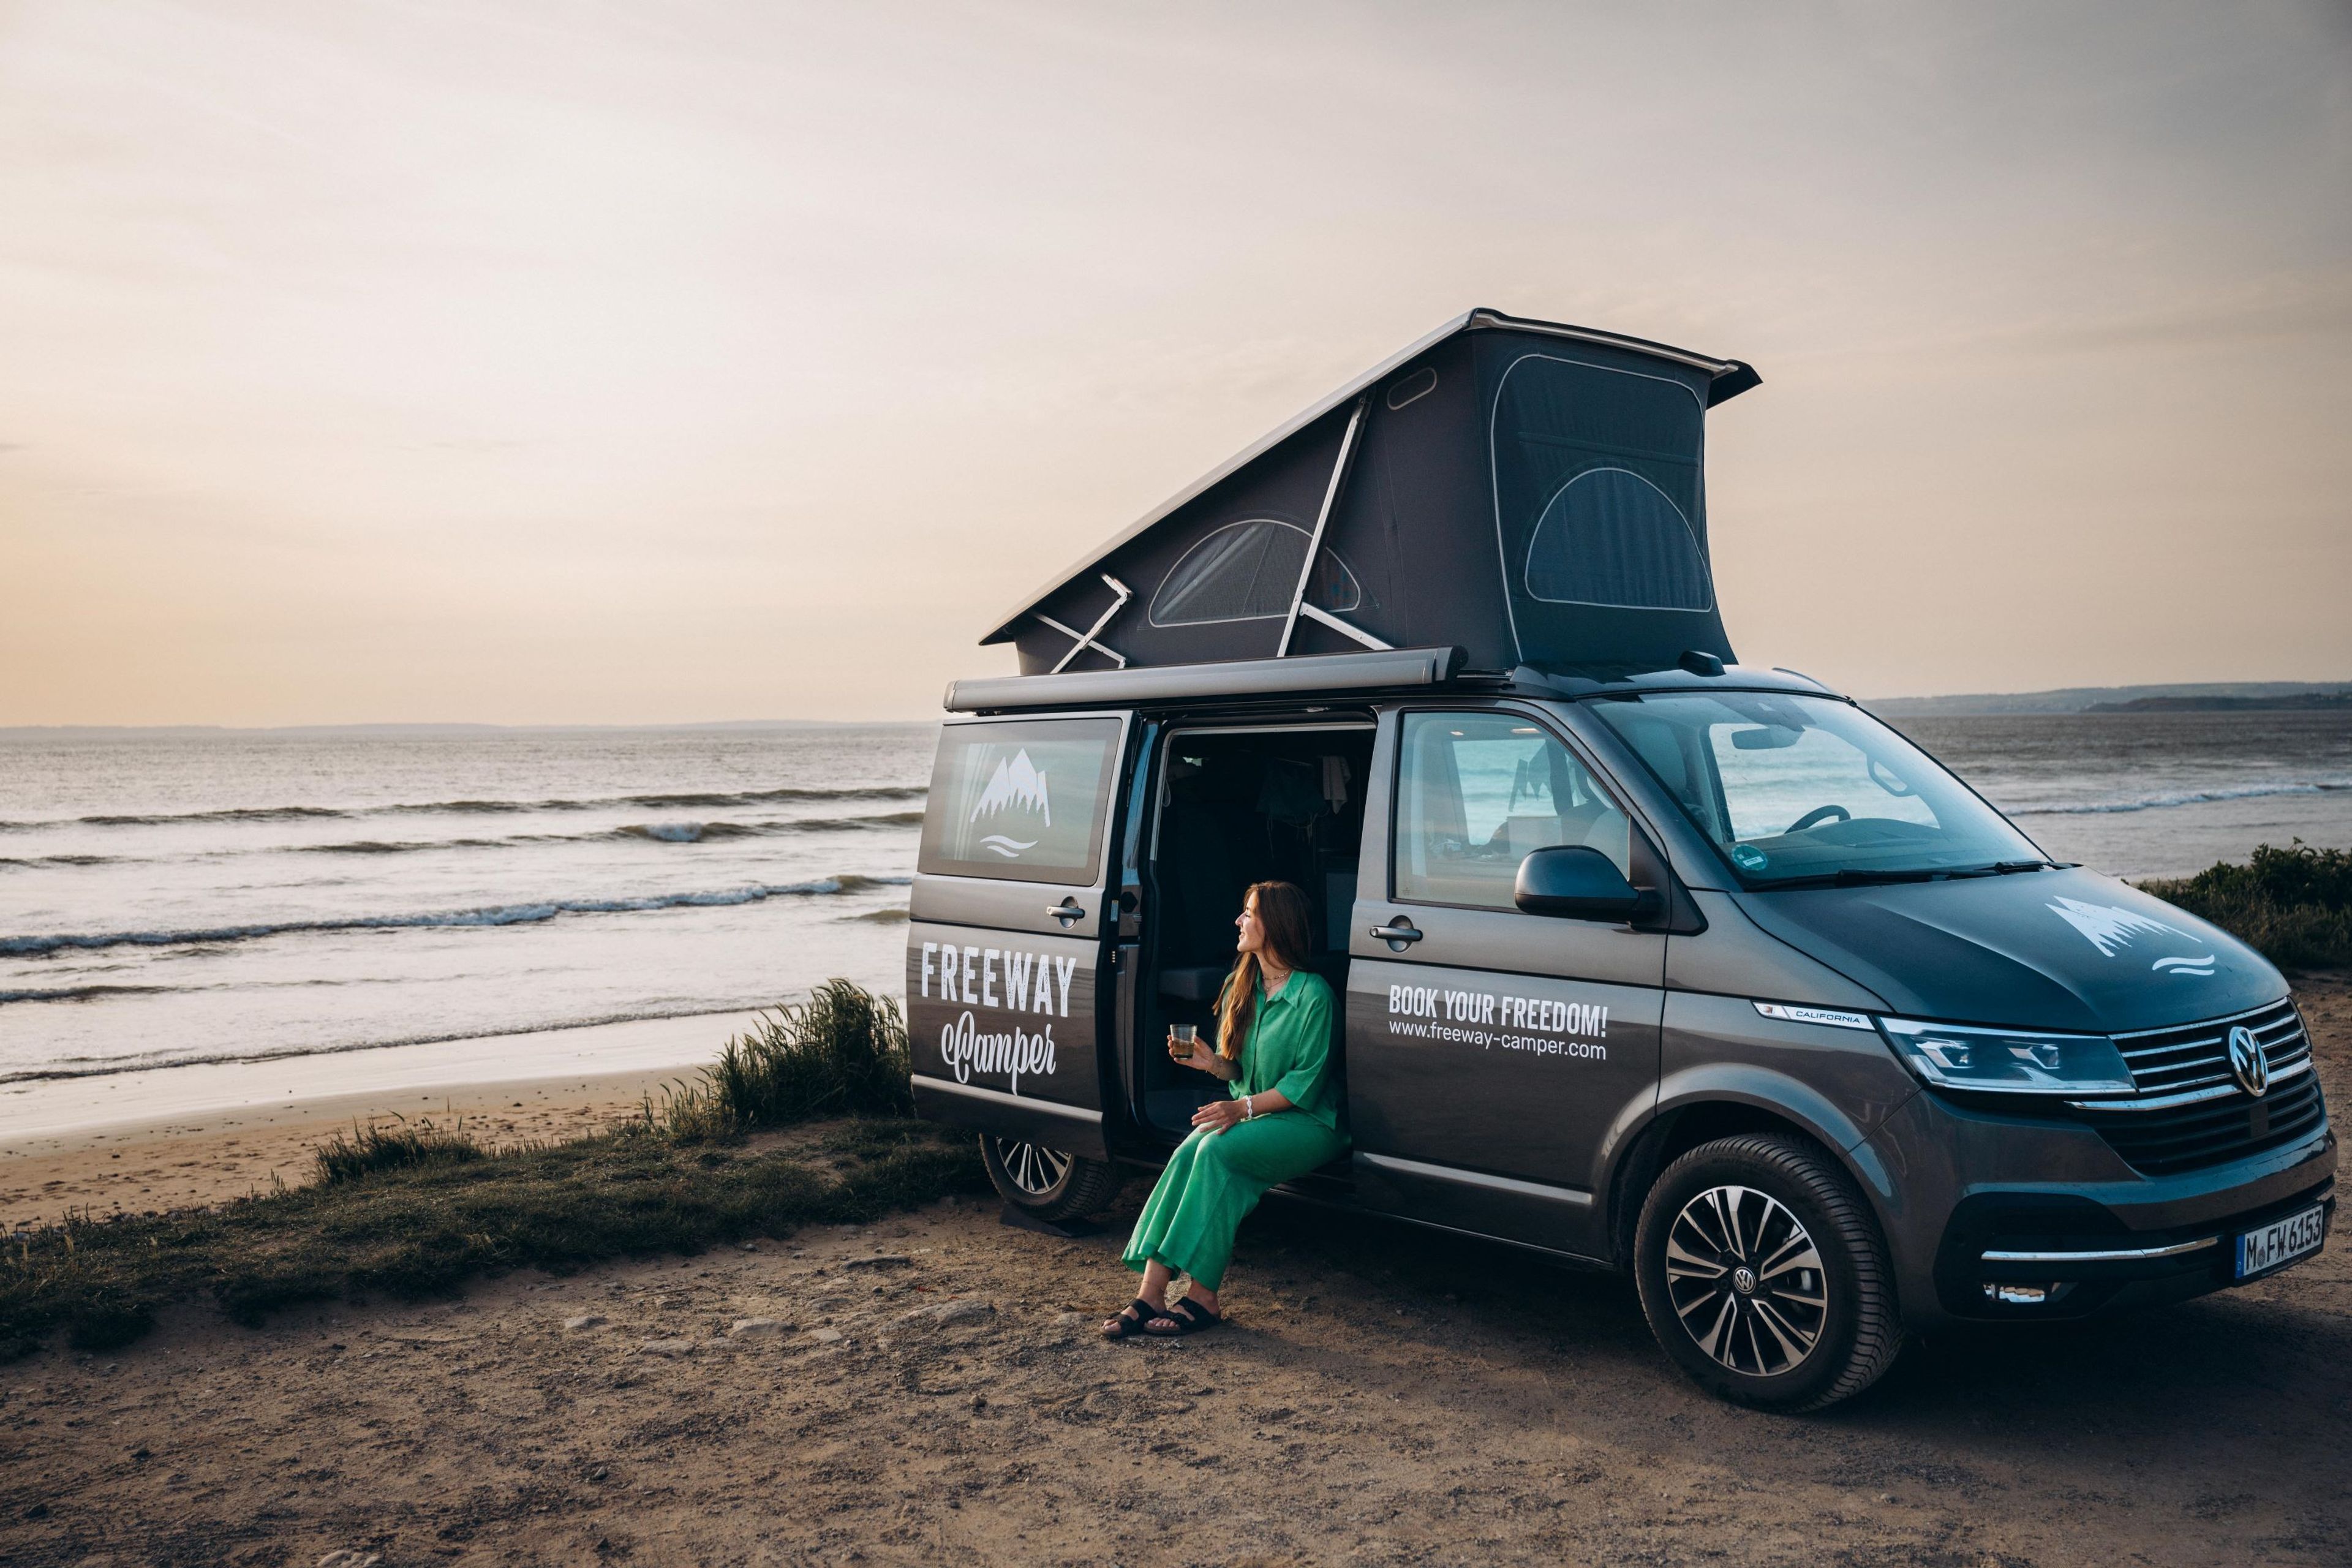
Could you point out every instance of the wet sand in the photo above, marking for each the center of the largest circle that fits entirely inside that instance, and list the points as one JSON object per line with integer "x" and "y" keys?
{"x": 931, "y": 1385}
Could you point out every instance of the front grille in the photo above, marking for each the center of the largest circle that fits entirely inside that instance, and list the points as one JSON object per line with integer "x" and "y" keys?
{"x": 2196, "y": 1056}
{"x": 2190, "y": 1112}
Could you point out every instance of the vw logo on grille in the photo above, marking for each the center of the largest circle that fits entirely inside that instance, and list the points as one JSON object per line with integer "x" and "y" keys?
{"x": 2247, "y": 1062}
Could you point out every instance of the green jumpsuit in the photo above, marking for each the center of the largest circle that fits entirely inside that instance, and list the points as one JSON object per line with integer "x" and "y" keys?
{"x": 1214, "y": 1179}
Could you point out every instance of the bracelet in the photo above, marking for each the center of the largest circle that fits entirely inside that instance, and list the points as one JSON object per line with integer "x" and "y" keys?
{"x": 1249, "y": 1111}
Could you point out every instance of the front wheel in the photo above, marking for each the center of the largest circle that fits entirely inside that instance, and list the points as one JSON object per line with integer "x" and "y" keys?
{"x": 1047, "y": 1183}
{"x": 1764, "y": 1277}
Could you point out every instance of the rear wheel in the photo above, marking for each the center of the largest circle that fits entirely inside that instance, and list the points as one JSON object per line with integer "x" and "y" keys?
{"x": 1048, "y": 1183}
{"x": 1764, "y": 1277}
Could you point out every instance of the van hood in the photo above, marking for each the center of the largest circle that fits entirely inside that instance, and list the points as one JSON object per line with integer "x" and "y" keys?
{"x": 2064, "y": 949}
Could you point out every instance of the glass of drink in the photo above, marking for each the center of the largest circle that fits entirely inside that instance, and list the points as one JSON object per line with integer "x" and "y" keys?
{"x": 1180, "y": 1041}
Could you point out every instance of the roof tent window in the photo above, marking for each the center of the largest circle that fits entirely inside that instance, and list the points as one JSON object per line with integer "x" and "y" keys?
{"x": 1245, "y": 572}
{"x": 1612, "y": 537}
{"x": 1596, "y": 485}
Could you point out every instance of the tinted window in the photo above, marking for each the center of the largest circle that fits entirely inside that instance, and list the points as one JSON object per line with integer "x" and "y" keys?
{"x": 1020, "y": 801}
{"x": 1801, "y": 787}
{"x": 1476, "y": 791}
{"x": 1245, "y": 572}
{"x": 1610, "y": 537}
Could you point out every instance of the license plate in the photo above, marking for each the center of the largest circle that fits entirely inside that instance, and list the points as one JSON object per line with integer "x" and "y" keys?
{"x": 2279, "y": 1243}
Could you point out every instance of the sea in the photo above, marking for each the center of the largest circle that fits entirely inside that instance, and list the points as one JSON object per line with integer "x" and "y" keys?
{"x": 176, "y": 900}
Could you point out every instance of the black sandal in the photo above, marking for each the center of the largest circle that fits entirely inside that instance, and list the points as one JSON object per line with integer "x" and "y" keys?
{"x": 1130, "y": 1327}
{"x": 1190, "y": 1316}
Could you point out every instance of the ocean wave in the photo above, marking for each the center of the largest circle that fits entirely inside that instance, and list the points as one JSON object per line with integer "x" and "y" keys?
{"x": 144, "y": 819}
{"x": 704, "y": 800}
{"x": 150, "y": 1062}
{"x": 496, "y": 915}
{"x": 82, "y": 992}
{"x": 380, "y": 845}
{"x": 657, "y": 832}
{"x": 696, "y": 832}
{"x": 2181, "y": 797}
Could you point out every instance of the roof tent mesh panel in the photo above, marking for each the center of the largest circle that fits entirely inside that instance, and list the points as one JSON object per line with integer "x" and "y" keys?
{"x": 1245, "y": 572}
{"x": 1612, "y": 537}
{"x": 1599, "y": 505}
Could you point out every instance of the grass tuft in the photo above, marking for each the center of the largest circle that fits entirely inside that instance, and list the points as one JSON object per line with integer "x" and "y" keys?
{"x": 841, "y": 1052}
{"x": 2294, "y": 905}
{"x": 380, "y": 1147}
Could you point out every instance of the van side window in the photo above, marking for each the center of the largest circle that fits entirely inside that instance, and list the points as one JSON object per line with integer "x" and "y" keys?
{"x": 1476, "y": 791}
{"x": 1020, "y": 802}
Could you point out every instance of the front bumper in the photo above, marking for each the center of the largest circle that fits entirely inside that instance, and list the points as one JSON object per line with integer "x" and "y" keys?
{"x": 2003, "y": 1260}
{"x": 1983, "y": 1199}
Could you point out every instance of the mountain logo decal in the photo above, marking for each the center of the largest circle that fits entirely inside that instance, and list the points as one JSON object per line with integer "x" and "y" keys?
{"x": 1015, "y": 786}
{"x": 2111, "y": 929}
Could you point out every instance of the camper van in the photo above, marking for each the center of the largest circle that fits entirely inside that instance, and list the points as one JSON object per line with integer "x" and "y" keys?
{"x": 1650, "y": 961}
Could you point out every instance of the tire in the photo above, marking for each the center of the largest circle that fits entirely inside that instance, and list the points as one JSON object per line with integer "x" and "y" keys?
{"x": 1047, "y": 1183}
{"x": 1746, "y": 1314}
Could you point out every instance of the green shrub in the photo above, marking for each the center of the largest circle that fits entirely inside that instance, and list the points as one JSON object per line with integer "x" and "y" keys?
{"x": 841, "y": 1052}
{"x": 2294, "y": 905}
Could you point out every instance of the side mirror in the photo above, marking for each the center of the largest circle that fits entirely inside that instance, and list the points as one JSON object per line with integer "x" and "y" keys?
{"x": 1576, "y": 880}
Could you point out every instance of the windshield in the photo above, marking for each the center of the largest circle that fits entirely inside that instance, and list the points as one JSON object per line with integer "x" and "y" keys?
{"x": 1805, "y": 788}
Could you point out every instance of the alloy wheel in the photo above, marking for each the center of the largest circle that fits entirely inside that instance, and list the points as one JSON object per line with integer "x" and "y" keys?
{"x": 1033, "y": 1168}
{"x": 1746, "y": 1280}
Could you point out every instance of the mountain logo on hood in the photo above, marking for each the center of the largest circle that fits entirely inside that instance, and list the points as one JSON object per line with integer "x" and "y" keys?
{"x": 2111, "y": 929}
{"x": 1016, "y": 785}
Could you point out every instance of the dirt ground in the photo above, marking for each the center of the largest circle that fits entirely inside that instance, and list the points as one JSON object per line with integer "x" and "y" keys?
{"x": 932, "y": 1385}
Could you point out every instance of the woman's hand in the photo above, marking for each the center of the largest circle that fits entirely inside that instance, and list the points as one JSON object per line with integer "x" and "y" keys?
{"x": 1203, "y": 1058}
{"x": 1218, "y": 1114}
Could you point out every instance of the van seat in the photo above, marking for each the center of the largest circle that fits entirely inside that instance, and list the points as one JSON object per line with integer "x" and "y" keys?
{"x": 1195, "y": 983}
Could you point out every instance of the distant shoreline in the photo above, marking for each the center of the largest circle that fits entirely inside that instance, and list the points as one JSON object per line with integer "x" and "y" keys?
{"x": 2206, "y": 697}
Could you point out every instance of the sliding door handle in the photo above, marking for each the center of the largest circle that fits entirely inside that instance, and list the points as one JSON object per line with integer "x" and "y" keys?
{"x": 1067, "y": 912}
{"x": 1397, "y": 933}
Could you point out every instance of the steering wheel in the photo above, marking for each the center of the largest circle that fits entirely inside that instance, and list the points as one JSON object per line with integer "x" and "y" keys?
{"x": 1818, "y": 813}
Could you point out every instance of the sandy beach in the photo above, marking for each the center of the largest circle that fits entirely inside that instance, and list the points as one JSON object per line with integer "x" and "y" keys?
{"x": 171, "y": 1137}
{"x": 932, "y": 1384}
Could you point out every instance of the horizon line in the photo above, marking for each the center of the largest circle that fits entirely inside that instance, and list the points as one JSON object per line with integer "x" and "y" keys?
{"x": 414, "y": 726}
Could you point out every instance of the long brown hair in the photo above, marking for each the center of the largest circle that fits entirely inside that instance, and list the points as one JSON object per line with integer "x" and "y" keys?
{"x": 1282, "y": 910}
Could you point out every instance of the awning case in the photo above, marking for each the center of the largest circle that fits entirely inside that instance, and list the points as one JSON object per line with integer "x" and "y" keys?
{"x": 1531, "y": 493}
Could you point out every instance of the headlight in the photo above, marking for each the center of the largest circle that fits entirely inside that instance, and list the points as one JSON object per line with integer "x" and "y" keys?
{"x": 2010, "y": 1061}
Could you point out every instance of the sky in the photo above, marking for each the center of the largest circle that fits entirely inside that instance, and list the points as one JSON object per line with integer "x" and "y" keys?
{"x": 643, "y": 362}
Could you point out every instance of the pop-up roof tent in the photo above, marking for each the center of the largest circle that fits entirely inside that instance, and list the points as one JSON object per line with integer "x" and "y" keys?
{"x": 1529, "y": 492}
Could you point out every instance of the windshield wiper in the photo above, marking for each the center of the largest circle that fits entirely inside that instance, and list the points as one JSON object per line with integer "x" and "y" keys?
{"x": 1862, "y": 877}
{"x": 1851, "y": 877}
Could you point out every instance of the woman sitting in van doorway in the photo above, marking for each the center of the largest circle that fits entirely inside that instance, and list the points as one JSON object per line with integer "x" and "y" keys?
{"x": 1279, "y": 1121}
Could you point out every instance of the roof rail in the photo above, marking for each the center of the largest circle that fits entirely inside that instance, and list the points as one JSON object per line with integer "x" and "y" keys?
{"x": 1308, "y": 674}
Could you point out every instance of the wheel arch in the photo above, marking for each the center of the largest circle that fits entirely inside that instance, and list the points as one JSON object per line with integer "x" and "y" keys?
{"x": 1723, "y": 1100}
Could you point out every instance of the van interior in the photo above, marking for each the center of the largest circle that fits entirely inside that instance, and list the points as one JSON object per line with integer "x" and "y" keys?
{"x": 1238, "y": 806}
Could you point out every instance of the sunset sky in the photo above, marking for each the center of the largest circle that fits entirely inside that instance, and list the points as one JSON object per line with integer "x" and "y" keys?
{"x": 541, "y": 362}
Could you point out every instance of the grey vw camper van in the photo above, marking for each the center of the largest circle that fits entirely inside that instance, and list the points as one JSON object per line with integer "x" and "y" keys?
{"x": 1650, "y": 960}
